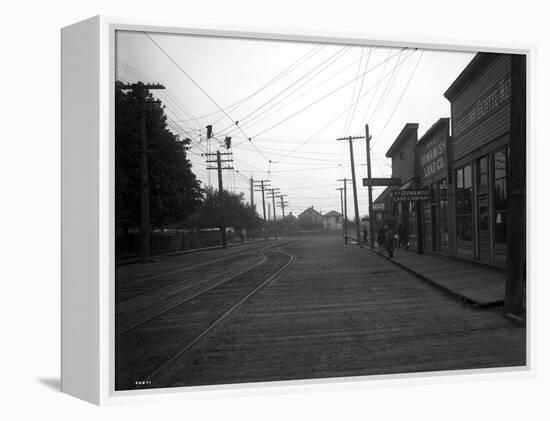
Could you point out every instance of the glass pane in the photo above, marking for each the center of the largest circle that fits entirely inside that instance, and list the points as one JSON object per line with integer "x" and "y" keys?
{"x": 500, "y": 227}
{"x": 483, "y": 218}
{"x": 468, "y": 176}
{"x": 433, "y": 192}
{"x": 500, "y": 194}
{"x": 459, "y": 179}
{"x": 468, "y": 201}
{"x": 499, "y": 159}
{"x": 464, "y": 228}
{"x": 483, "y": 181}
{"x": 483, "y": 165}
{"x": 442, "y": 189}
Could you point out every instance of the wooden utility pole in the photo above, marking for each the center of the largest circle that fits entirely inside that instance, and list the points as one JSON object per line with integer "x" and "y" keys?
{"x": 263, "y": 184}
{"x": 342, "y": 205}
{"x": 273, "y": 193}
{"x": 141, "y": 91}
{"x": 345, "y": 180}
{"x": 252, "y": 192}
{"x": 371, "y": 213}
{"x": 221, "y": 192}
{"x": 283, "y": 203}
{"x": 350, "y": 139}
{"x": 516, "y": 223}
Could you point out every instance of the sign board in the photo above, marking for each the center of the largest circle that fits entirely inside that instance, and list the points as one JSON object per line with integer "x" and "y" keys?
{"x": 378, "y": 207}
{"x": 381, "y": 182}
{"x": 410, "y": 195}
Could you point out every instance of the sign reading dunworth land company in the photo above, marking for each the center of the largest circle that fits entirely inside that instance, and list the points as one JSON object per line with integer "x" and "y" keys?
{"x": 381, "y": 182}
{"x": 410, "y": 195}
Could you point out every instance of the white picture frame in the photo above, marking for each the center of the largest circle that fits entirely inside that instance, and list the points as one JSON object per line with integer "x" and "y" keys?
{"x": 88, "y": 63}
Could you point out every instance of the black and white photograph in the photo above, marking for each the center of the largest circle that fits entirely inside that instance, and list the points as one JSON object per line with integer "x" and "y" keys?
{"x": 296, "y": 210}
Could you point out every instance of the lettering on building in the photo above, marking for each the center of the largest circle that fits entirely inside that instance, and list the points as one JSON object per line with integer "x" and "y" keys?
{"x": 491, "y": 100}
{"x": 432, "y": 158}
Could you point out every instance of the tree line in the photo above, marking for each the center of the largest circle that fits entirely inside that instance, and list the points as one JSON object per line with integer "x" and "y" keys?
{"x": 176, "y": 196}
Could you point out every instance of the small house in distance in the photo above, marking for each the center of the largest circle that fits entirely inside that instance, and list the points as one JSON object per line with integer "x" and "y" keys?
{"x": 291, "y": 217}
{"x": 311, "y": 215}
{"x": 332, "y": 221}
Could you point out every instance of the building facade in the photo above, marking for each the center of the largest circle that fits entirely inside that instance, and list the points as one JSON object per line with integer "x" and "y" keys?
{"x": 481, "y": 119}
{"x": 465, "y": 164}
{"x": 311, "y": 216}
{"x": 404, "y": 166}
{"x": 332, "y": 221}
{"x": 434, "y": 155}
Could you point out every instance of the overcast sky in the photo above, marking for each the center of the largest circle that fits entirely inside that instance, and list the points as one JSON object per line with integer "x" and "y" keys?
{"x": 293, "y": 100}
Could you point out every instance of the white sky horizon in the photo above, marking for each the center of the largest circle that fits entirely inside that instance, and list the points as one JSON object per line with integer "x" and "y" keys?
{"x": 293, "y": 99}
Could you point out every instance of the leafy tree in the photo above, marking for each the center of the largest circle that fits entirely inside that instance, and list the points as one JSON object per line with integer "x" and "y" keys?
{"x": 237, "y": 213}
{"x": 174, "y": 191}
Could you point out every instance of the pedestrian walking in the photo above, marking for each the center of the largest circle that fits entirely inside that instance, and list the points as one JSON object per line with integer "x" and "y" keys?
{"x": 381, "y": 239}
{"x": 389, "y": 240}
{"x": 365, "y": 235}
{"x": 346, "y": 238}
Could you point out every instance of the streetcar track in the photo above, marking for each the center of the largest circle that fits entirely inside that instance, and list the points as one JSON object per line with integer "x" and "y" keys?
{"x": 221, "y": 318}
{"x": 192, "y": 296}
{"x": 218, "y": 284}
{"x": 188, "y": 268}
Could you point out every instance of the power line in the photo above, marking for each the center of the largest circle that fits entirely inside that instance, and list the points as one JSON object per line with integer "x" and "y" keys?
{"x": 336, "y": 118}
{"x": 317, "y": 101}
{"x": 202, "y": 90}
{"x": 318, "y": 69}
{"x": 400, "y": 97}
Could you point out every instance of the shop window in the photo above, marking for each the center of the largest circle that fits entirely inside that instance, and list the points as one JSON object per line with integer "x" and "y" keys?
{"x": 482, "y": 175}
{"x": 464, "y": 203}
{"x": 500, "y": 194}
{"x": 433, "y": 191}
{"x": 443, "y": 211}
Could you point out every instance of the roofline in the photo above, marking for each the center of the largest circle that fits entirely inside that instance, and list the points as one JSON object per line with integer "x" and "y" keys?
{"x": 313, "y": 209}
{"x": 465, "y": 77}
{"x": 434, "y": 127}
{"x": 401, "y": 137}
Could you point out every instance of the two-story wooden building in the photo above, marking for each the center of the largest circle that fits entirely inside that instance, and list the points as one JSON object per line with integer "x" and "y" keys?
{"x": 481, "y": 121}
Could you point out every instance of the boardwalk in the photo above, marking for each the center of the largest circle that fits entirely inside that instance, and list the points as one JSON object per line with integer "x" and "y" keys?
{"x": 335, "y": 311}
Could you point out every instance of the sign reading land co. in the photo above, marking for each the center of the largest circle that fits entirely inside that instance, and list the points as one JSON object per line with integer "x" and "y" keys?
{"x": 410, "y": 195}
{"x": 381, "y": 182}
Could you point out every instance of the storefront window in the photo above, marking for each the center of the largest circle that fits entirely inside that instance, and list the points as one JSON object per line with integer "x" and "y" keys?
{"x": 500, "y": 165}
{"x": 443, "y": 204}
{"x": 464, "y": 204}
{"x": 483, "y": 175}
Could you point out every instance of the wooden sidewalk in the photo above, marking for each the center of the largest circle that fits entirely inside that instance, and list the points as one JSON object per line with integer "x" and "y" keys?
{"x": 478, "y": 284}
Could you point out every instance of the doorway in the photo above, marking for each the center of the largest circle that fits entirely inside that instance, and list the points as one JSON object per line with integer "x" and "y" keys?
{"x": 483, "y": 237}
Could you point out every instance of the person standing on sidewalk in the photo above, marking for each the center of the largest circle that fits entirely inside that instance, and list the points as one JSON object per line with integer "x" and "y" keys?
{"x": 389, "y": 239}
{"x": 381, "y": 239}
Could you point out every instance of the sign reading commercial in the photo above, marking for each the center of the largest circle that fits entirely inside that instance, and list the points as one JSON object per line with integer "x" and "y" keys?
{"x": 410, "y": 195}
{"x": 381, "y": 182}
{"x": 378, "y": 207}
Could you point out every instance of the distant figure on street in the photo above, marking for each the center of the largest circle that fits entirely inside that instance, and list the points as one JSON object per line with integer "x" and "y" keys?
{"x": 242, "y": 235}
{"x": 365, "y": 234}
{"x": 389, "y": 240}
{"x": 381, "y": 239}
{"x": 346, "y": 238}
